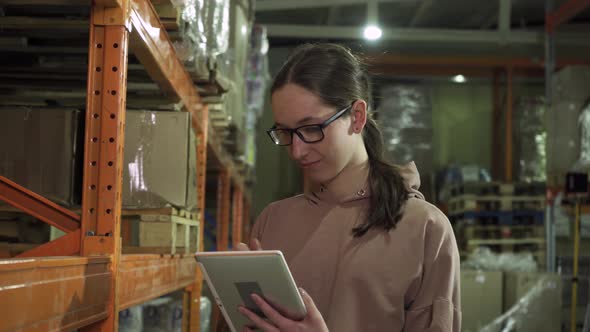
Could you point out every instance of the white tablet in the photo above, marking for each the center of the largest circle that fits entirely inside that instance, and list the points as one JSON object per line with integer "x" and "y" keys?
{"x": 234, "y": 275}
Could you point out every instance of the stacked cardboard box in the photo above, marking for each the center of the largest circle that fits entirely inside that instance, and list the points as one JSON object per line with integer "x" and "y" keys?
{"x": 529, "y": 302}
{"x": 45, "y": 154}
{"x": 42, "y": 151}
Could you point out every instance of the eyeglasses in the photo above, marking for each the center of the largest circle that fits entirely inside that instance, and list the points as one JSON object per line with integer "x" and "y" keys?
{"x": 308, "y": 133}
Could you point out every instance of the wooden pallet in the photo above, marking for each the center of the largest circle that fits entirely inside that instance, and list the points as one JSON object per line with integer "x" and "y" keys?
{"x": 471, "y": 231}
{"x": 497, "y": 189}
{"x": 466, "y": 203}
{"x": 484, "y": 218}
{"x": 161, "y": 228}
{"x": 508, "y": 245}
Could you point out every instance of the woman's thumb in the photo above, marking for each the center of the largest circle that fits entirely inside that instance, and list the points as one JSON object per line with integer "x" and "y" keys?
{"x": 308, "y": 301}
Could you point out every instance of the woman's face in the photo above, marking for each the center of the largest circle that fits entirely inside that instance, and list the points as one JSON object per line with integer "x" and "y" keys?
{"x": 294, "y": 106}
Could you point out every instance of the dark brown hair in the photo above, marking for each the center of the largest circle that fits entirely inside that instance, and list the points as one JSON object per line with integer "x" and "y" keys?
{"x": 339, "y": 78}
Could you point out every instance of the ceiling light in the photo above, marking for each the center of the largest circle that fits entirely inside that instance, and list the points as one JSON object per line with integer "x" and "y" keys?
{"x": 373, "y": 32}
{"x": 459, "y": 79}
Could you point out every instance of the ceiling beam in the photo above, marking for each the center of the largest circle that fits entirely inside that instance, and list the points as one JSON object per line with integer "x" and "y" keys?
{"x": 384, "y": 60}
{"x": 451, "y": 36}
{"x": 268, "y": 5}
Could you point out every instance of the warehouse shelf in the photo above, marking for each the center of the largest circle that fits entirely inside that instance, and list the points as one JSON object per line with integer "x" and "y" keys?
{"x": 88, "y": 280}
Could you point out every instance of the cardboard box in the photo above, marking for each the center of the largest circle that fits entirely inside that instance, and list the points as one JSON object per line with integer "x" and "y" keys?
{"x": 540, "y": 296}
{"x": 42, "y": 150}
{"x": 481, "y": 298}
{"x": 160, "y": 160}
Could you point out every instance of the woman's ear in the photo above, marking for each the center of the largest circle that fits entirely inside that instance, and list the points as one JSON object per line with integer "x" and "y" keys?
{"x": 359, "y": 116}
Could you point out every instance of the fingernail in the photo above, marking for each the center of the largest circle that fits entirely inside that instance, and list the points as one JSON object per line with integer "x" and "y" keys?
{"x": 302, "y": 290}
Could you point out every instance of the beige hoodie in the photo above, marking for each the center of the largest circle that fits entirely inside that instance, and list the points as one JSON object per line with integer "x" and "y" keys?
{"x": 406, "y": 279}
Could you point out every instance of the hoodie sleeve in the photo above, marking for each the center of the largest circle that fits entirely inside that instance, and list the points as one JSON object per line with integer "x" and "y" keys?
{"x": 437, "y": 304}
{"x": 260, "y": 224}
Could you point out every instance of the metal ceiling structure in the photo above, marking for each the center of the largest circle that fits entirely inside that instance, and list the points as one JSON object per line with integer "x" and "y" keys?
{"x": 450, "y": 24}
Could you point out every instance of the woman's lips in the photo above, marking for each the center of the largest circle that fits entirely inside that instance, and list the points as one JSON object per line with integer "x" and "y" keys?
{"x": 309, "y": 164}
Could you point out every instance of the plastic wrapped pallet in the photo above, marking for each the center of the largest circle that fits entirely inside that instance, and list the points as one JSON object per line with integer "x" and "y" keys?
{"x": 531, "y": 137}
{"x": 570, "y": 96}
{"x": 204, "y": 26}
{"x": 257, "y": 79}
{"x": 405, "y": 117}
{"x": 163, "y": 315}
{"x": 131, "y": 319}
{"x": 583, "y": 162}
{"x": 257, "y": 73}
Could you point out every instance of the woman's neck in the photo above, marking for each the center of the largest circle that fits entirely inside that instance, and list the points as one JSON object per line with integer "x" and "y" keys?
{"x": 352, "y": 178}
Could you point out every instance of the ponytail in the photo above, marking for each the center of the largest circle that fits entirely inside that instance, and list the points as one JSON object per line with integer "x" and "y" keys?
{"x": 388, "y": 192}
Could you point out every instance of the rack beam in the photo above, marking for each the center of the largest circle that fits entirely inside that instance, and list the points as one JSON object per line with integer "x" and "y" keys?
{"x": 567, "y": 10}
{"x": 53, "y": 294}
{"x": 38, "y": 206}
{"x": 145, "y": 277}
{"x": 67, "y": 245}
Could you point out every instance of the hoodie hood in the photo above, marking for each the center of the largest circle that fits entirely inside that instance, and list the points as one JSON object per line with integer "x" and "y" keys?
{"x": 358, "y": 190}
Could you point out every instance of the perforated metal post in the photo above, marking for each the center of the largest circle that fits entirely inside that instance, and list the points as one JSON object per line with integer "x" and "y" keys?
{"x": 103, "y": 157}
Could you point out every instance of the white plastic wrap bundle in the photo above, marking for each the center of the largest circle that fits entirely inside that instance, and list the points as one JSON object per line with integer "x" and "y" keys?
{"x": 405, "y": 117}
{"x": 204, "y": 26}
{"x": 205, "y": 314}
{"x": 484, "y": 259}
{"x": 257, "y": 73}
{"x": 257, "y": 80}
{"x": 583, "y": 163}
{"x": 531, "y": 137}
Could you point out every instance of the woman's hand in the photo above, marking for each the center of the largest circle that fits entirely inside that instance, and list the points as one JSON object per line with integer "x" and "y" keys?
{"x": 278, "y": 322}
{"x": 254, "y": 245}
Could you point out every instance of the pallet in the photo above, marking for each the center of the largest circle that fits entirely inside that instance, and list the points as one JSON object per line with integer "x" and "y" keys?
{"x": 512, "y": 218}
{"x": 497, "y": 189}
{"x": 169, "y": 227}
{"x": 470, "y": 231}
{"x": 466, "y": 203}
{"x": 532, "y": 245}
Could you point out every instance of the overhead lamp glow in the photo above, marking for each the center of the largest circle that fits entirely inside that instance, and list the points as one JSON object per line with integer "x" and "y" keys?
{"x": 459, "y": 79}
{"x": 373, "y": 32}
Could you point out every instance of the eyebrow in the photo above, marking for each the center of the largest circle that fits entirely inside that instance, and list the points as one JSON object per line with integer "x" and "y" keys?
{"x": 302, "y": 121}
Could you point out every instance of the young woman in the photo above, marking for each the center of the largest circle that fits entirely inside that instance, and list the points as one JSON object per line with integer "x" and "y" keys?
{"x": 370, "y": 252}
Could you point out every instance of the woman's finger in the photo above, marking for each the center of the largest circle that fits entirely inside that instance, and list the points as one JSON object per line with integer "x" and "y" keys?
{"x": 255, "y": 244}
{"x": 270, "y": 312}
{"x": 242, "y": 247}
{"x": 259, "y": 322}
{"x": 312, "y": 310}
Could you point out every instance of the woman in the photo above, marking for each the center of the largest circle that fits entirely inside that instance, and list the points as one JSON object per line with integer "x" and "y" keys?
{"x": 370, "y": 252}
